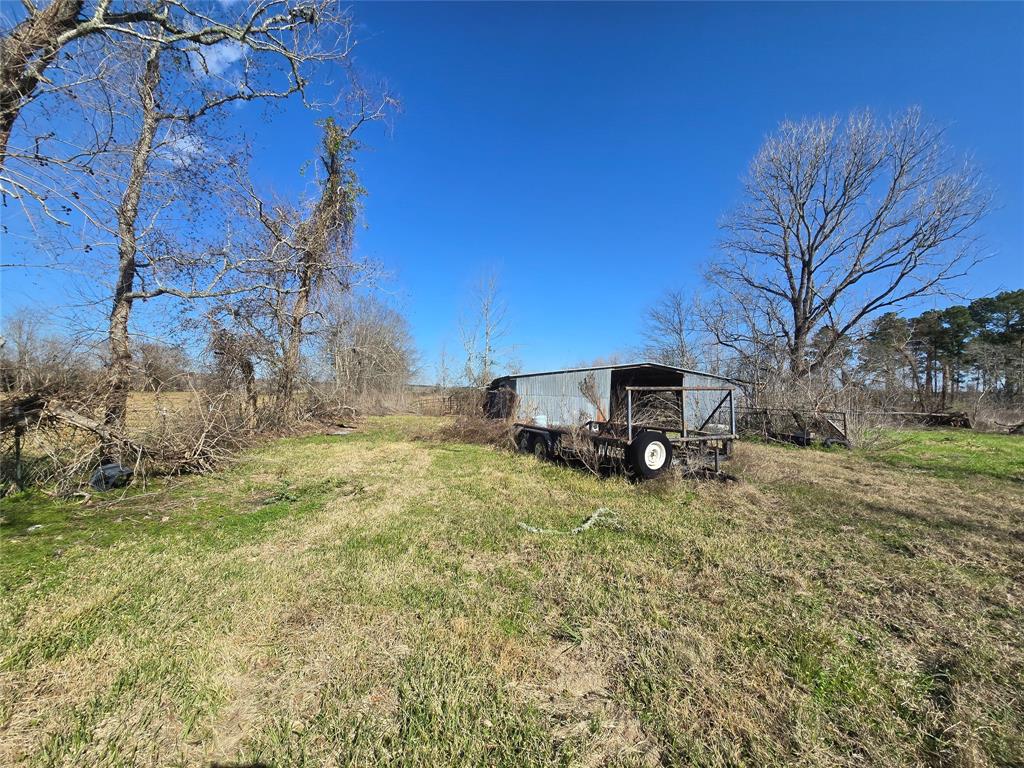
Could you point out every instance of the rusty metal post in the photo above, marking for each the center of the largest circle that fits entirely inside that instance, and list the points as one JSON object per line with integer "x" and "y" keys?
{"x": 19, "y": 430}
{"x": 682, "y": 408}
{"x": 629, "y": 415}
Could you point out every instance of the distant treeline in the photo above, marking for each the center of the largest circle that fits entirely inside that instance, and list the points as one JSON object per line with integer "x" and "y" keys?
{"x": 943, "y": 353}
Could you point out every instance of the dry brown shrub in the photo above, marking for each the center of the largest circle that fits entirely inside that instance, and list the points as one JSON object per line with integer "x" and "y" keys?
{"x": 583, "y": 449}
{"x": 1000, "y": 418}
{"x": 62, "y": 445}
{"x": 476, "y": 430}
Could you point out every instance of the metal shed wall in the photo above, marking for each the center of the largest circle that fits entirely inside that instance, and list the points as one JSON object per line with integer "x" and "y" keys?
{"x": 557, "y": 399}
{"x": 700, "y": 404}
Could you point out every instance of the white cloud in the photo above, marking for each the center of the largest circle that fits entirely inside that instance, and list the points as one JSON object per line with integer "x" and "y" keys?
{"x": 217, "y": 59}
{"x": 183, "y": 150}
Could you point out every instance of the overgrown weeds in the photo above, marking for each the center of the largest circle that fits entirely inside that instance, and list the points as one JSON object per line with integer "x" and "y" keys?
{"x": 474, "y": 430}
{"x": 58, "y": 446}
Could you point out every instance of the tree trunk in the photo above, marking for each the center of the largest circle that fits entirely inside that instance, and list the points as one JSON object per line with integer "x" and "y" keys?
{"x": 25, "y": 54}
{"x": 944, "y": 396}
{"x": 249, "y": 375}
{"x": 916, "y": 378}
{"x": 120, "y": 368}
{"x": 327, "y": 219}
{"x": 929, "y": 383}
{"x": 290, "y": 367}
{"x": 798, "y": 354}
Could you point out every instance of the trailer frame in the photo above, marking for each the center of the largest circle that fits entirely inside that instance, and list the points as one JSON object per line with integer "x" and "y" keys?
{"x": 693, "y": 448}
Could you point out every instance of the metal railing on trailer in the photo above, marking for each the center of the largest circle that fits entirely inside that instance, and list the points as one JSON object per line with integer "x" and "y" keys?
{"x": 708, "y": 443}
{"x": 686, "y": 434}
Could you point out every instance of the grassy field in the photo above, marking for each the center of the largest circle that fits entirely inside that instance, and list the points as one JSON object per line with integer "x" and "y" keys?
{"x": 373, "y": 600}
{"x": 958, "y": 453}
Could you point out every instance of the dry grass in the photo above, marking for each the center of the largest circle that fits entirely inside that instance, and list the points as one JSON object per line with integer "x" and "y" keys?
{"x": 371, "y": 599}
{"x": 148, "y": 410}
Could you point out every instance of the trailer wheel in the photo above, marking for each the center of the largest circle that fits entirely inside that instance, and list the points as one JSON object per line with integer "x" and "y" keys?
{"x": 524, "y": 440}
{"x": 650, "y": 454}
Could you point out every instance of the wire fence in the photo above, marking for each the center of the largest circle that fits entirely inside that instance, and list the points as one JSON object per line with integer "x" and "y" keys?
{"x": 458, "y": 403}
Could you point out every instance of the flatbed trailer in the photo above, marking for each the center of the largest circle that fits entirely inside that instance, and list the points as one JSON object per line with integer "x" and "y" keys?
{"x": 789, "y": 425}
{"x": 693, "y": 426}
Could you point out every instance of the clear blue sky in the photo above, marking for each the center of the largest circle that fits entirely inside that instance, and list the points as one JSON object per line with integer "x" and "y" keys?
{"x": 587, "y": 151}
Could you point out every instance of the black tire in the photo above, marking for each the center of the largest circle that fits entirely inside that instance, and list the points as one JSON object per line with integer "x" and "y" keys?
{"x": 524, "y": 441}
{"x": 650, "y": 454}
{"x": 541, "y": 448}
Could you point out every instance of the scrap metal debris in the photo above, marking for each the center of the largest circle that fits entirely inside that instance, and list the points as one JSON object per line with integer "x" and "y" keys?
{"x": 110, "y": 475}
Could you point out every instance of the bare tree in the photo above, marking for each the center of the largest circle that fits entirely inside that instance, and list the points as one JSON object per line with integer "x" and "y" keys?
{"x": 368, "y": 349}
{"x": 322, "y": 244}
{"x": 667, "y": 331}
{"x": 234, "y": 356}
{"x": 443, "y": 373}
{"x": 35, "y": 359}
{"x": 162, "y": 366}
{"x": 163, "y": 72}
{"x": 304, "y": 253}
{"x": 39, "y": 41}
{"x": 483, "y": 334}
{"x": 168, "y": 121}
{"x": 151, "y": 159}
{"x": 840, "y": 222}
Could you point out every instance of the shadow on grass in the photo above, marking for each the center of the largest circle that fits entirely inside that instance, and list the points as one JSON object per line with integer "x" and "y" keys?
{"x": 944, "y": 521}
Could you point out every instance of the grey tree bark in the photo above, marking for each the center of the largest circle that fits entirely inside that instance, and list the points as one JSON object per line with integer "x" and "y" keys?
{"x": 120, "y": 369}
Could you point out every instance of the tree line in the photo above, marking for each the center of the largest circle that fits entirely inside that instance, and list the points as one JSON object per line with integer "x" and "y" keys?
{"x": 941, "y": 355}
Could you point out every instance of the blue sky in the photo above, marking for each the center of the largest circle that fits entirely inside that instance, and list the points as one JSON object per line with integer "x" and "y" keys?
{"x": 586, "y": 152}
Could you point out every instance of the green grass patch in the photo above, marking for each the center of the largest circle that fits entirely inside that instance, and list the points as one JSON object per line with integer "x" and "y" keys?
{"x": 957, "y": 454}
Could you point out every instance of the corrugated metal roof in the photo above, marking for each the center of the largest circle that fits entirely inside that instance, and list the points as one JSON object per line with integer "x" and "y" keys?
{"x": 618, "y": 366}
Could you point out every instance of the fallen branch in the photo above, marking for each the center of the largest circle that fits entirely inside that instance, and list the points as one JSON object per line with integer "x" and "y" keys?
{"x": 98, "y": 428}
{"x": 18, "y": 411}
{"x": 602, "y": 512}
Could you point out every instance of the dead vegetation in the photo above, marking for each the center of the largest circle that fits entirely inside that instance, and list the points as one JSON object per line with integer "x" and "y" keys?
{"x": 54, "y": 426}
{"x": 475, "y": 430}
{"x": 48, "y": 444}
